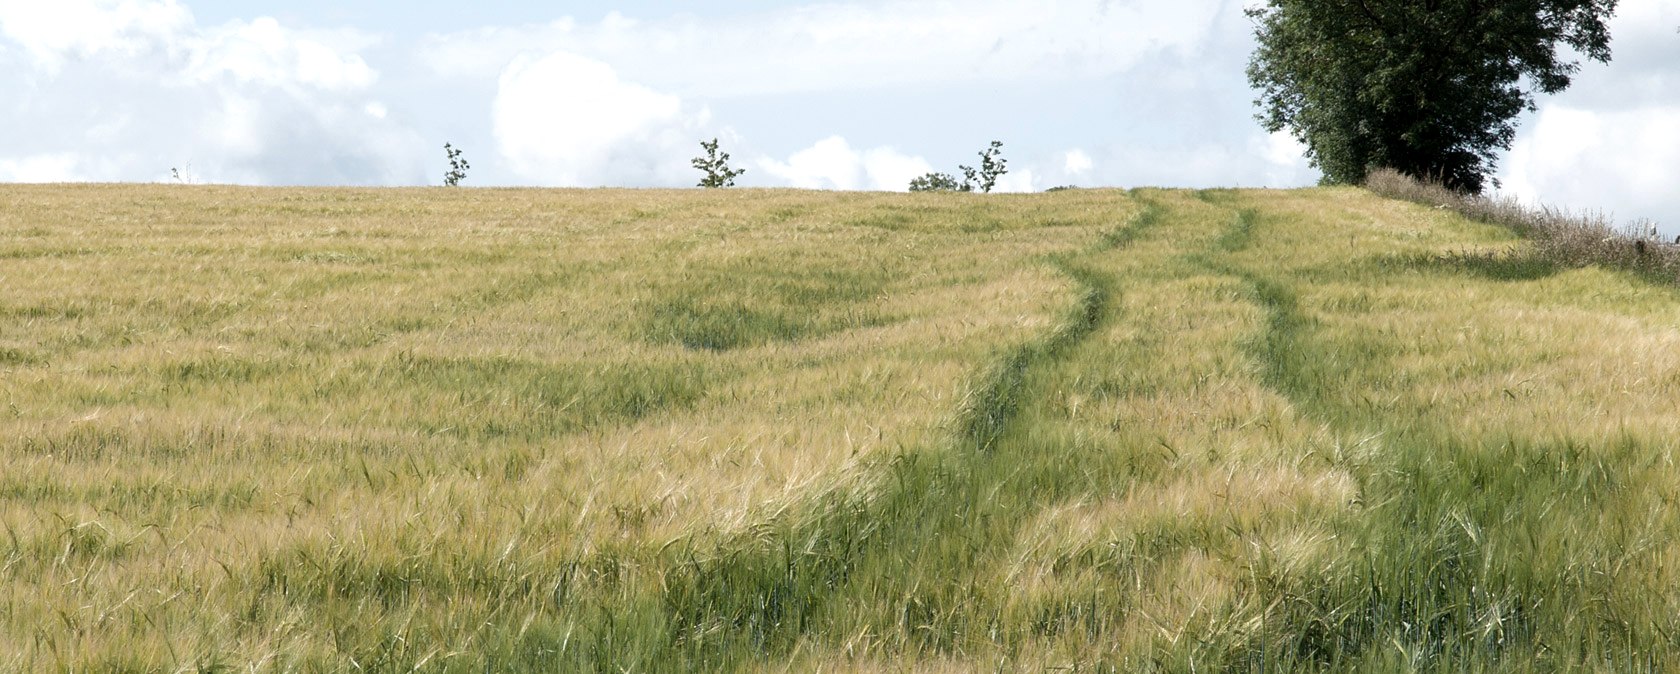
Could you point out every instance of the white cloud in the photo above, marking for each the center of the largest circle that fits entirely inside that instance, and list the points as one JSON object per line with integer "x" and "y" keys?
{"x": 50, "y": 168}
{"x": 1285, "y": 158}
{"x": 1207, "y": 164}
{"x": 266, "y": 53}
{"x": 1611, "y": 143}
{"x": 1140, "y": 92}
{"x": 1076, "y": 162}
{"x": 52, "y": 32}
{"x": 124, "y": 89}
{"x": 234, "y": 128}
{"x": 890, "y": 170}
{"x": 851, "y": 45}
{"x": 831, "y": 163}
{"x": 261, "y": 50}
{"x": 1017, "y": 180}
{"x": 1283, "y": 148}
{"x": 1624, "y": 161}
{"x": 567, "y": 120}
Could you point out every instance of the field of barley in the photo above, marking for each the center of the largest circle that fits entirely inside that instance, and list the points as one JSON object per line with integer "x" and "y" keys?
{"x": 445, "y": 430}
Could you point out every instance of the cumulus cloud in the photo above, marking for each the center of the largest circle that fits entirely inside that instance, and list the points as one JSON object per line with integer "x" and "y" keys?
{"x": 1262, "y": 162}
{"x": 1086, "y": 92}
{"x": 1018, "y": 180}
{"x": 52, "y": 32}
{"x": 1076, "y": 162}
{"x": 831, "y": 163}
{"x": 1285, "y": 159}
{"x": 125, "y": 89}
{"x": 1265, "y": 161}
{"x": 1626, "y": 162}
{"x": 1611, "y": 143}
{"x": 266, "y": 139}
{"x": 48, "y": 168}
{"x": 563, "y": 119}
{"x": 851, "y": 45}
{"x": 265, "y": 53}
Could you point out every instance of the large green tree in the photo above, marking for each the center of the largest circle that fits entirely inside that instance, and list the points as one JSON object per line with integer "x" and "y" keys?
{"x": 1431, "y": 88}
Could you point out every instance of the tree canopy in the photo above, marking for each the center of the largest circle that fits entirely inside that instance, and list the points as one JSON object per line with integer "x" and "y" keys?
{"x": 1431, "y": 88}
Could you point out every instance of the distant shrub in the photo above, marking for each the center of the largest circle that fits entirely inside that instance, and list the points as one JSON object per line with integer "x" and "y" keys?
{"x": 716, "y": 167}
{"x": 1063, "y": 188}
{"x": 992, "y": 167}
{"x": 457, "y": 166}
{"x": 938, "y": 182}
{"x": 1560, "y": 238}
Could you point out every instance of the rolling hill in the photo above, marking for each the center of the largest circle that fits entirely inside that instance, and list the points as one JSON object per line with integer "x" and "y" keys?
{"x": 618, "y": 430}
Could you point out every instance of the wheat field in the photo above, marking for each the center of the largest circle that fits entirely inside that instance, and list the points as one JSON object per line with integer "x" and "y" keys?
{"x": 450, "y": 430}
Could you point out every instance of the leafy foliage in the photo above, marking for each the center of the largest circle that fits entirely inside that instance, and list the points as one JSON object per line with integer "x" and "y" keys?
{"x": 1430, "y": 89}
{"x": 457, "y": 166}
{"x": 716, "y": 167}
{"x": 937, "y": 182}
{"x": 992, "y": 166}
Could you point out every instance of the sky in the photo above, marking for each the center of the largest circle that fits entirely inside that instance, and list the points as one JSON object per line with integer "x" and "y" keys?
{"x": 845, "y": 94}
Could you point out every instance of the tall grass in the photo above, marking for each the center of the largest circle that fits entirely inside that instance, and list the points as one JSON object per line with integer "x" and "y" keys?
{"x": 1558, "y": 237}
{"x": 325, "y": 430}
{"x": 331, "y": 429}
